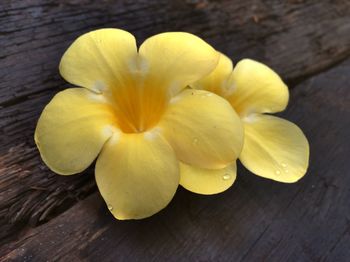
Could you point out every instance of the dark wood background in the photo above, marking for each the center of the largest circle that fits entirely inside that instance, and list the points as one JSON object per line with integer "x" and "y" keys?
{"x": 46, "y": 217}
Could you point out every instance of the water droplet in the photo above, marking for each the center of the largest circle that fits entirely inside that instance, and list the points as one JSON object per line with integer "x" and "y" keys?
{"x": 195, "y": 141}
{"x": 286, "y": 170}
{"x": 250, "y": 118}
{"x": 283, "y": 165}
{"x": 278, "y": 172}
{"x": 110, "y": 208}
{"x": 99, "y": 87}
{"x": 226, "y": 177}
{"x": 228, "y": 88}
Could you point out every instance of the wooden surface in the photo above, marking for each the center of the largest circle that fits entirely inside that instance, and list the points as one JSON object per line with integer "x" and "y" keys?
{"x": 44, "y": 216}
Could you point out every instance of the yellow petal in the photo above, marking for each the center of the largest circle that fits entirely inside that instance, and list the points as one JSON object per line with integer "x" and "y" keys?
{"x": 177, "y": 59}
{"x": 217, "y": 80}
{"x": 257, "y": 89}
{"x": 72, "y": 130}
{"x": 203, "y": 129}
{"x": 137, "y": 174}
{"x": 99, "y": 59}
{"x": 275, "y": 148}
{"x": 207, "y": 181}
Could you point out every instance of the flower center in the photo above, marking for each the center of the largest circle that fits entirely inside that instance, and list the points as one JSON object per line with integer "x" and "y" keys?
{"x": 138, "y": 105}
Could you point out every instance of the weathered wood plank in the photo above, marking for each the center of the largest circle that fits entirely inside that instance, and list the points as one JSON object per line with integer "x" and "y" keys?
{"x": 296, "y": 38}
{"x": 256, "y": 220}
{"x": 35, "y": 33}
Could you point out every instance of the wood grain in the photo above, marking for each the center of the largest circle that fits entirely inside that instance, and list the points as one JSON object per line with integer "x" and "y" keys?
{"x": 297, "y": 38}
{"x": 255, "y": 220}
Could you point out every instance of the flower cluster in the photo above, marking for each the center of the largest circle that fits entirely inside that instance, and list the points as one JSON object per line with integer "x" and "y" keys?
{"x": 173, "y": 111}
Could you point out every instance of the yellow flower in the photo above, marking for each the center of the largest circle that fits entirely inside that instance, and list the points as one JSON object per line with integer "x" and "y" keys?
{"x": 273, "y": 148}
{"x": 137, "y": 116}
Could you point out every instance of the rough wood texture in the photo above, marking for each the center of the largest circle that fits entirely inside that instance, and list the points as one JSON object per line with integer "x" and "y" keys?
{"x": 256, "y": 220}
{"x": 297, "y": 38}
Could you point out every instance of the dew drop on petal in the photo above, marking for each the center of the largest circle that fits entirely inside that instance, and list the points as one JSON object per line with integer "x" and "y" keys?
{"x": 195, "y": 141}
{"x": 283, "y": 165}
{"x": 228, "y": 87}
{"x": 277, "y": 172}
{"x": 226, "y": 177}
{"x": 110, "y": 207}
{"x": 99, "y": 87}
